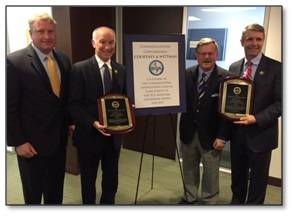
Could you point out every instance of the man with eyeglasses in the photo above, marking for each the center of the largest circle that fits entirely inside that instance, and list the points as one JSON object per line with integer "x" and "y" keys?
{"x": 201, "y": 132}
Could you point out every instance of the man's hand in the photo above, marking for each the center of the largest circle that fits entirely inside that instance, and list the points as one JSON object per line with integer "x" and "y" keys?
{"x": 219, "y": 144}
{"x": 246, "y": 120}
{"x": 26, "y": 150}
{"x": 100, "y": 128}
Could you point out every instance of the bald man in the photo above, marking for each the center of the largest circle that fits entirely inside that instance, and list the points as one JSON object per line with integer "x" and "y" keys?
{"x": 87, "y": 84}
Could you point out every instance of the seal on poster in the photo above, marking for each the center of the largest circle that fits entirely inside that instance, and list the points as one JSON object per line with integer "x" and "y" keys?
{"x": 156, "y": 67}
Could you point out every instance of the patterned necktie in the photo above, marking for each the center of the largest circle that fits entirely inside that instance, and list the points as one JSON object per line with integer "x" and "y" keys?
{"x": 107, "y": 79}
{"x": 248, "y": 72}
{"x": 201, "y": 86}
{"x": 53, "y": 76}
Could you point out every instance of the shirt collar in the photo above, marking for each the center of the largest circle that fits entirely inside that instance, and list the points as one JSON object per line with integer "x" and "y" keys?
{"x": 255, "y": 60}
{"x": 101, "y": 62}
{"x": 41, "y": 55}
{"x": 207, "y": 73}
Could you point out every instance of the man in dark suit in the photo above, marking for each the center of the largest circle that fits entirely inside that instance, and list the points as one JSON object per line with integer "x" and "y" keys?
{"x": 37, "y": 121}
{"x": 88, "y": 83}
{"x": 255, "y": 135}
{"x": 201, "y": 133}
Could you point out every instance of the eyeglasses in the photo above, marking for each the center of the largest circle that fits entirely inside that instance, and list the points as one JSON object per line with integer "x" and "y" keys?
{"x": 205, "y": 53}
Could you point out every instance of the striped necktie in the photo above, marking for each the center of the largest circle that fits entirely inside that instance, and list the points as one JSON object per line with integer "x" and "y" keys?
{"x": 53, "y": 75}
{"x": 248, "y": 72}
{"x": 107, "y": 79}
{"x": 201, "y": 86}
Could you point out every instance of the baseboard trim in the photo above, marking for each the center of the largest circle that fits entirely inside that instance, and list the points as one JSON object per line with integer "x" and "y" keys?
{"x": 275, "y": 181}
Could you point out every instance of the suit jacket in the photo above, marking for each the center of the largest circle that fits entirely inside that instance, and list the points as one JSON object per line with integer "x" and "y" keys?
{"x": 267, "y": 105}
{"x": 85, "y": 88}
{"x": 202, "y": 116}
{"x": 34, "y": 113}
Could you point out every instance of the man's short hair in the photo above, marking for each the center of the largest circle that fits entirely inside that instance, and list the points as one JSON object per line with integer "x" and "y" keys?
{"x": 101, "y": 27}
{"x": 205, "y": 41}
{"x": 253, "y": 27}
{"x": 38, "y": 17}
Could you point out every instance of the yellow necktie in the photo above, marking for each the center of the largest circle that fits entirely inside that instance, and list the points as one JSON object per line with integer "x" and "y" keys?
{"x": 53, "y": 76}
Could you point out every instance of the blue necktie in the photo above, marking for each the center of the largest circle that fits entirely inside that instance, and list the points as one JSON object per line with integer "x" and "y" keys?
{"x": 201, "y": 86}
{"x": 107, "y": 79}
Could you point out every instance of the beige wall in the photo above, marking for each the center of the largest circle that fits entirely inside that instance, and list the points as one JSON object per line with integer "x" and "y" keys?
{"x": 273, "y": 49}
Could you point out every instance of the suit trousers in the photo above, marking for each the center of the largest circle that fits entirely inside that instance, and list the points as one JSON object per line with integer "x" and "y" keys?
{"x": 250, "y": 171}
{"x": 43, "y": 176}
{"x": 89, "y": 161}
{"x": 192, "y": 155}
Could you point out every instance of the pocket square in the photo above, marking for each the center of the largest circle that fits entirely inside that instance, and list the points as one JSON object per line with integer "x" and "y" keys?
{"x": 215, "y": 95}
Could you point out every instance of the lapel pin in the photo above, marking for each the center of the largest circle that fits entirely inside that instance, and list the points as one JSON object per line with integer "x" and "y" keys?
{"x": 115, "y": 71}
{"x": 261, "y": 73}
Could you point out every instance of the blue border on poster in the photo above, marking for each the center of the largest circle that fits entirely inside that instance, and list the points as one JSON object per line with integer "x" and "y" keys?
{"x": 129, "y": 39}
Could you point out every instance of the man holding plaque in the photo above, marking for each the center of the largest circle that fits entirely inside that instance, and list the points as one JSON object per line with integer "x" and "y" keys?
{"x": 201, "y": 132}
{"x": 256, "y": 134}
{"x": 90, "y": 80}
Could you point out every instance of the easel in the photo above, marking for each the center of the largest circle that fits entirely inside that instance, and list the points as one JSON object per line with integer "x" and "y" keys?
{"x": 142, "y": 154}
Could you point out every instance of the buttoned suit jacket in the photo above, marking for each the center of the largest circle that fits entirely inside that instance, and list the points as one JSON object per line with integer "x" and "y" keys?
{"x": 86, "y": 87}
{"x": 267, "y": 105}
{"x": 202, "y": 116}
{"x": 34, "y": 113}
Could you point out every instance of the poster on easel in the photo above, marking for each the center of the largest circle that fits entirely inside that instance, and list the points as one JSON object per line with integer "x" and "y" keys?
{"x": 156, "y": 73}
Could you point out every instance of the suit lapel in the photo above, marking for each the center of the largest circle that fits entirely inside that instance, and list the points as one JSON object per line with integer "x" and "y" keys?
{"x": 260, "y": 70}
{"x": 39, "y": 68}
{"x": 117, "y": 85}
{"x": 193, "y": 86}
{"x": 95, "y": 77}
{"x": 239, "y": 68}
{"x": 195, "y": 79}
{"x": 62, "y": 72}
{"x": 211, "y": 83}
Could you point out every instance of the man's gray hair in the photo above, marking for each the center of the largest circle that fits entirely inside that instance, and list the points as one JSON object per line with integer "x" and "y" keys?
{"x": 38, "y": 17}
{"x": 205, "y": 41}
{"x": 99, "y": 28}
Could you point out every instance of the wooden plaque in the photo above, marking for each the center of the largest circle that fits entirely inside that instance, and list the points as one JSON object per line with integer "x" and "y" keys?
{"x": 235, "y": 98}
{"x": 116, "y": 113}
